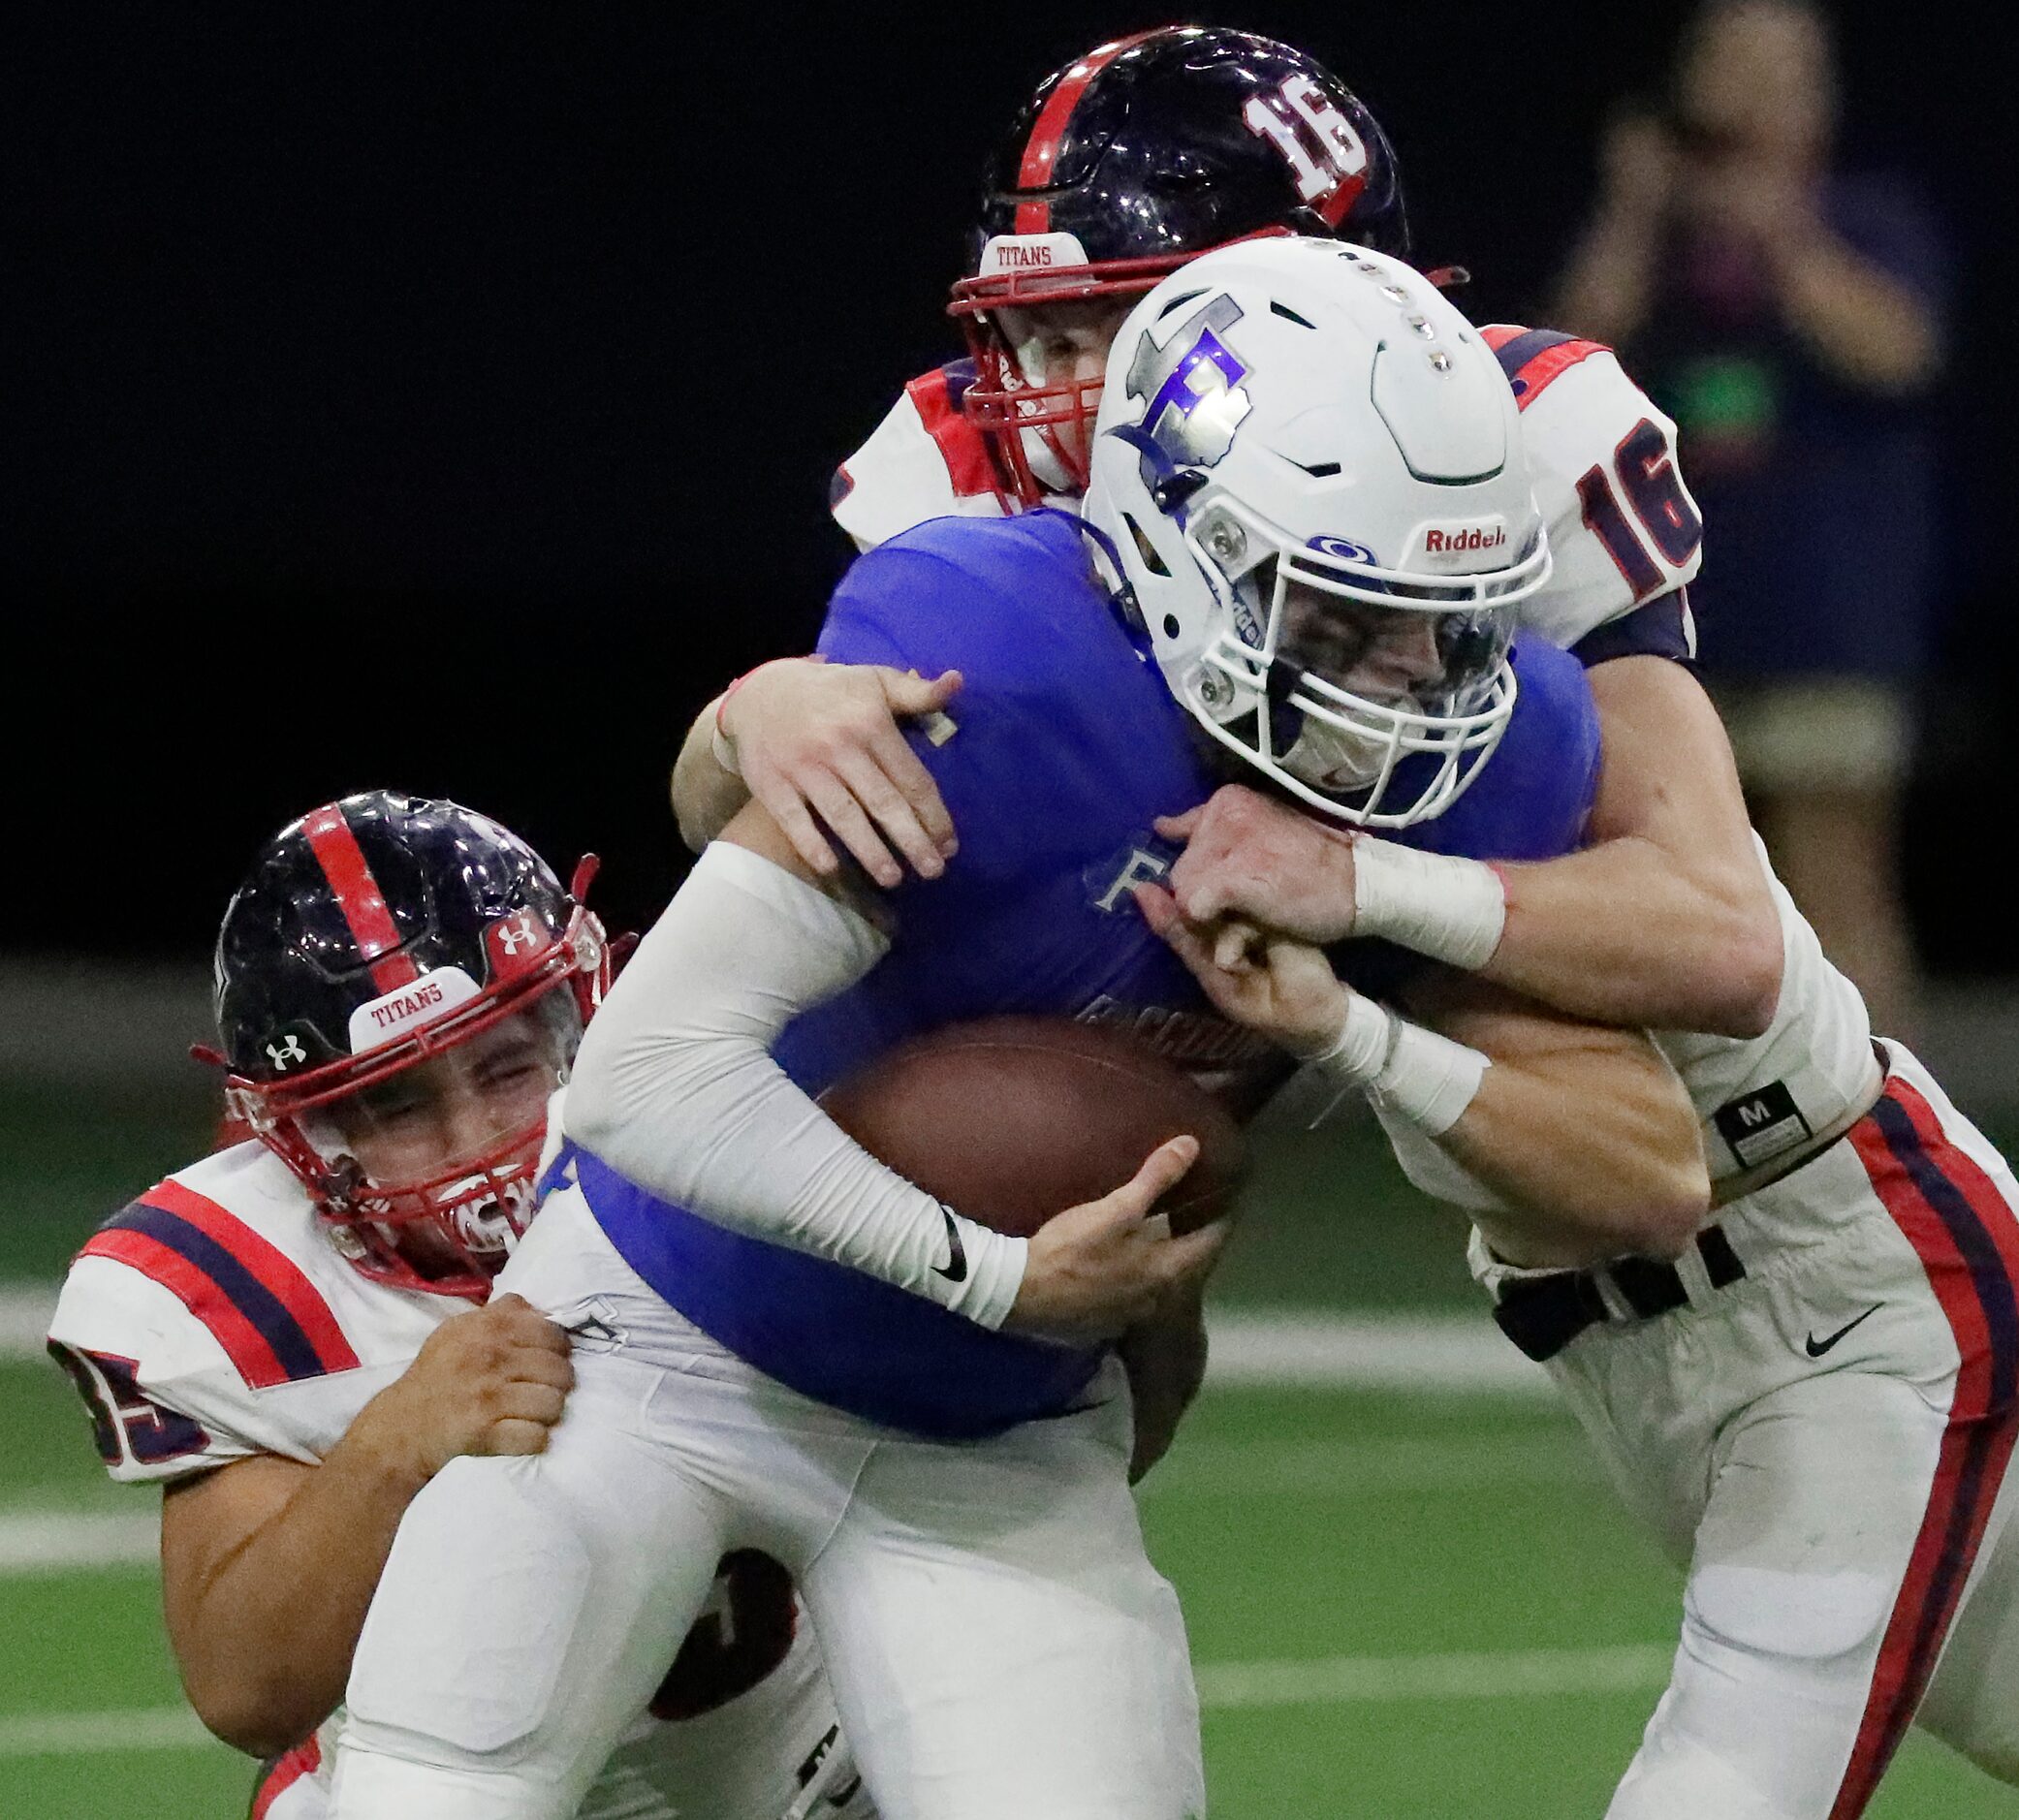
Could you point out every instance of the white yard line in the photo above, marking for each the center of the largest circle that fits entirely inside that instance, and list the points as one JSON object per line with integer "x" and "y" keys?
{"x": 24, "y": 1319}
{"x": 1461, "y": 1354}
{"x": 65, "y": 1541}
{"x": 78, "y": 1734}
{"x": 1489, "y": 1674}
{"x": 1223, "y": 1686}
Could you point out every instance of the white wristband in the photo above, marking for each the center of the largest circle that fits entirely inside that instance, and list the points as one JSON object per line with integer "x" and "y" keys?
{"x": 1404, "y": 1069}
{"x": 1360, "y": 1051}
{"x": 1428, "y": 1081}
{"x": 1357, "y": 1055}
{"x": 1451, "y": 909}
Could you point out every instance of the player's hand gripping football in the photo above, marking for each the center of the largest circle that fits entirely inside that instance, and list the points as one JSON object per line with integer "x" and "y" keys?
{"x": 820, "y": 747}
{"x": 1272, "y": 983}
{"x": 493, "y": 1381}
{"x": 1106, "y": 1266}
{"x": 1247, "y": 857}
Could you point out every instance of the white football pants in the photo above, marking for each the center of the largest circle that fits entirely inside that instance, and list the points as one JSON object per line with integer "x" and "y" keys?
{"x": 998, "y": 1643}
{"x": 1824, "y": 1443}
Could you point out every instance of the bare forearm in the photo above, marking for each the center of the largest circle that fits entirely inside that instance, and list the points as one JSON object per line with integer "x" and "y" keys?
{"x": 1587, "y": 1175}
{"x": 1862, "y": 321}
{"x": 706, "y": 798}
{"x": 1622, "y": 933}
{"x": 265, "y": 1640}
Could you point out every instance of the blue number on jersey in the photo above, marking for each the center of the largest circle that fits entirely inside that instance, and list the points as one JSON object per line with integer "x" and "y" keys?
{"x": 1065, "y": 747}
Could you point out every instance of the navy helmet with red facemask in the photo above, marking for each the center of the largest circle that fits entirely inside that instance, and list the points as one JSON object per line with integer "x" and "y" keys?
{"x": 1126, "y": 163}
{"x": 383, "y": 952}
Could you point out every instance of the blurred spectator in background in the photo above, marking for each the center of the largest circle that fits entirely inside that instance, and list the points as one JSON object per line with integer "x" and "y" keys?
{"x": 1790, "y": 317}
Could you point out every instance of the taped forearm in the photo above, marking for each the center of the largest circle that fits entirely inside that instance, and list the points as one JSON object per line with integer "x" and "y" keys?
{"x": 676, "y": 1089}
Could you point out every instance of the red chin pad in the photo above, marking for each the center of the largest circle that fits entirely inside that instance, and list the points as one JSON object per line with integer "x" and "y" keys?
{"x": 419, "y": 1234}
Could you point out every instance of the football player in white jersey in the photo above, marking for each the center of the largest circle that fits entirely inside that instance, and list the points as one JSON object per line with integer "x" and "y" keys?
{"x": 267, "y": 1334}
{"x": 1812, "y": 1399}
{"x": 1665, "y": 920}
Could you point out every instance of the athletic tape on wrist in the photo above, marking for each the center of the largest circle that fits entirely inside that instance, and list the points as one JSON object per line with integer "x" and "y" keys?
{"x": 1414, "y": 1073}
{"x": 1428, "y": 1079}
{"x": 1451, "y": 909}
{"x": 1358, "y": 1053}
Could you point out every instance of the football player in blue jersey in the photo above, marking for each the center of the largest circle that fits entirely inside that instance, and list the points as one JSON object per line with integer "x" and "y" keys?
{"x": 779, "y": 1337}
{"x": 1162, "y": 145}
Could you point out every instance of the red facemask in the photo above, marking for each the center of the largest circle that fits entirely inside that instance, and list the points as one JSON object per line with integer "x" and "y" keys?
{"x": 446, "y": 1227}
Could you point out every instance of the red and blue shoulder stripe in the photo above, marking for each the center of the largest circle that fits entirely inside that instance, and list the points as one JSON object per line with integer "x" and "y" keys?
{"x": 272, "y": 1322}
{"x": 1533, "y": 358}
{"x": 937, "y": 397}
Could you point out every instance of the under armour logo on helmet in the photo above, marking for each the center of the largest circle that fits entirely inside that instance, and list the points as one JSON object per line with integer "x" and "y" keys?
{"x": 1192, "y": 386}
{"x": 518, "y": 934}
{"x": 286, "y": 1052}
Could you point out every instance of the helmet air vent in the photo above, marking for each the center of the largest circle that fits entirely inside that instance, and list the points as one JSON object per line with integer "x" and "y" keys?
{"x": 1144, "y": 549}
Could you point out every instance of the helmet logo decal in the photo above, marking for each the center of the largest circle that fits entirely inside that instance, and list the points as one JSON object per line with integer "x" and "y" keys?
{"x": 1342, "y": 153}
{"x": 408, "y": 1007}
{"x": 285, "y": 1054}
{"x": 517, "y": 932}
{"x": 1344, "y": 549}
{"x": 1193, "y": 387}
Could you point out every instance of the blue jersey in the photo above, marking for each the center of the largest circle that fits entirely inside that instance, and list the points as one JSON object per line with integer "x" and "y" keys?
{"x": 1061, "y": 750}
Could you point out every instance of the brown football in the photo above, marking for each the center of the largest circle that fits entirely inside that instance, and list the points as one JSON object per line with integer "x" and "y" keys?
{"x": 1010, "y": 1120}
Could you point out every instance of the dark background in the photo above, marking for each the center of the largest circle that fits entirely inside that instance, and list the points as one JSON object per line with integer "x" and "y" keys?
{"x": 445, "y": 398}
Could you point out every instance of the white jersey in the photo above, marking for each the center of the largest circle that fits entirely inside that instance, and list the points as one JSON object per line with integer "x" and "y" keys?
{"x": 1601, "y": 458}
{"x": 1758, "y": 1098}
{"x": 213, "y": 1320}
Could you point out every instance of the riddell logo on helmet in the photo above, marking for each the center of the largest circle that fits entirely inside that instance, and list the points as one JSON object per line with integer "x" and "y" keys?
{"x": 409, "y": 1007}
{"x": 1438, "y": 542}
{"x": 1461, "y": 546}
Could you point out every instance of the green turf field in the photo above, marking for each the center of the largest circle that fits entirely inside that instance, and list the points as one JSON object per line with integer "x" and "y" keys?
{"x": 1401, "y": 1605}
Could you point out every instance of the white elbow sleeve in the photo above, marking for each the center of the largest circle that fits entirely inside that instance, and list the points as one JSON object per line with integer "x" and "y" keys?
{"x": 675, "y": 1088}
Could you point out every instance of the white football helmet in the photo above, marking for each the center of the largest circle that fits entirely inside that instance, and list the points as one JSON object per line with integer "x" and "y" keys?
{"x": 1307, "y": 467}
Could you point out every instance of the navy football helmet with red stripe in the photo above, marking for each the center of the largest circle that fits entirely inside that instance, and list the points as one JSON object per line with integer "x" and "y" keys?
{"x": 400, "y": 984}
{"x": 1129, "y": 161}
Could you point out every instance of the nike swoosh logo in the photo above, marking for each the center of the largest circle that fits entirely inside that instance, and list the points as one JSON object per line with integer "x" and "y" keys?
{"x": 1818, "y": 1347}
{"x": 955, "y": 1269}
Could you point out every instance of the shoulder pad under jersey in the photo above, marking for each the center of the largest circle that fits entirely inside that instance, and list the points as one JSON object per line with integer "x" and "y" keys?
{"x": 211, "y": 1318}
{"x": 925, "y": 460}
{"x": 1623, "y": 526}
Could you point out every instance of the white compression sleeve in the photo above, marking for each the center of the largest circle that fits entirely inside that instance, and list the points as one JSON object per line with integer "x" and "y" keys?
{"x": 675, "y": 1088}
